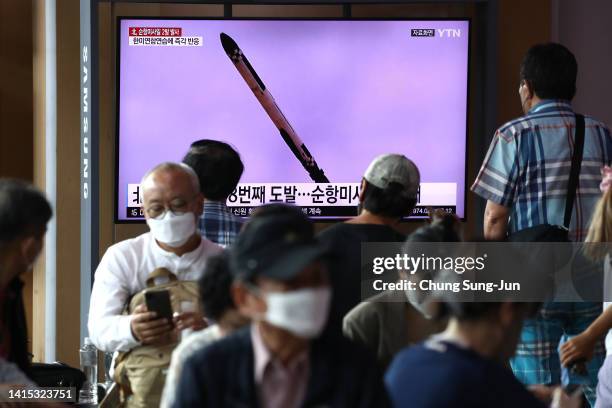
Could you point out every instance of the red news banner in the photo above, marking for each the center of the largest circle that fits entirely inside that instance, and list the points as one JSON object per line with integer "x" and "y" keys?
{"x": 161, "y": 36}
{"x": 156, "y": 32}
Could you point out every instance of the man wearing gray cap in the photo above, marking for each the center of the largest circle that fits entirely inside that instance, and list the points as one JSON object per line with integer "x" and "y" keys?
{"x": 389, "y": 190}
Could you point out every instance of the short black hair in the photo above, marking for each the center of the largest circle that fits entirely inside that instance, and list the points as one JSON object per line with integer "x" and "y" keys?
{"x": 218, "y": 166}
{"x": 215, "y": 286}
{"x": 441, "y": 230}
{"x": 550, "y": 70}
{"x": 393, "y": 201}
{"x": 24, "y": 210}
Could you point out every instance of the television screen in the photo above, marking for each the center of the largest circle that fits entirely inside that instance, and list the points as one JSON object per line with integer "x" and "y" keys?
{"x": 307, "y": 103}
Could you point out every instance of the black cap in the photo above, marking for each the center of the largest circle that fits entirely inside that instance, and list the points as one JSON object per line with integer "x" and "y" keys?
{"x": 276, "y": 246}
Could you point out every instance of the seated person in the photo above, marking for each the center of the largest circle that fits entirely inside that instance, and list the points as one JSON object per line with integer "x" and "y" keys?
{"x": 388, "y": 192}
{"x": 465, "y": 366}
{"x": 392, "y": 320}
{"x": 218, "y": 308}
{"x": 24, "y": 214}
{"x": 172, "y": 204}
{"x": 219, "y": 169}
{"x": 281, "y": 359}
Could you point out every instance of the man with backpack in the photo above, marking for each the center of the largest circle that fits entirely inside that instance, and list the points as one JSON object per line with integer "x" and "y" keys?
{"x": 172, "y": 252}
{"x": 525, "y": 179}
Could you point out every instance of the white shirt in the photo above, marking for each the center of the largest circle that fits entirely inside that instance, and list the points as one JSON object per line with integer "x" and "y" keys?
{"x": 182, "y": 353}
{"x": 123, "y": 272}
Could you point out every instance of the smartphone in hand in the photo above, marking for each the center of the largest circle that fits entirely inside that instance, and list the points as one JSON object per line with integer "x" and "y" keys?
{"x": 158, "y": 301}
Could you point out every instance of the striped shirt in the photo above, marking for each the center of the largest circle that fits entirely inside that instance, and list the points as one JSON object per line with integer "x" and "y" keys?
{"x": 218, "y": 224}
{"x": 528, "y": 163}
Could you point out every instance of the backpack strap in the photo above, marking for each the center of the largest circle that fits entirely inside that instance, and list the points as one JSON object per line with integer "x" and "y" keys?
{"x": 160, "y": 273}
{"x": 572, "y": 184}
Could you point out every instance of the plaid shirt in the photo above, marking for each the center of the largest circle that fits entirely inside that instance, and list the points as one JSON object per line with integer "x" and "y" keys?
{"x": 218, "y": 224}
{"x": 528, "y": 163}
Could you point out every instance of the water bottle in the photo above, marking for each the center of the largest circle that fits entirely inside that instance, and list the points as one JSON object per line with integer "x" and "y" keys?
{"x": 89, "y": 364}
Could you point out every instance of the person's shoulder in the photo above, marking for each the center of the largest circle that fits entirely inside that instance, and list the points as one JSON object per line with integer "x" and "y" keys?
{"x": 372, "y": 307}
{"x": 196, "y": 341}
{"x": 126, "y": 253}
{"x": 513, "y": 127}
{"x": 332, "y": 231}
{"x": 593, "y": 122}
{"x": 447, "y": 357}
{"x": 361, "y": 232}
{"x": 408, "y": 354}
{"x": 210, "y": 248}
{"x": 131, "y": 244}
{"x": 234, "y": 345}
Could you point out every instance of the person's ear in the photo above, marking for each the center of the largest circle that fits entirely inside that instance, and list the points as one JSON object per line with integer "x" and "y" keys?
{"x": 199, "y": 202}
{"x": 362, "y": 190}
{"x": 507, "y": 314}
{"x": 529, "y": 89}
{"x": 246, "y": 302}
{"x": 30, "y": 249}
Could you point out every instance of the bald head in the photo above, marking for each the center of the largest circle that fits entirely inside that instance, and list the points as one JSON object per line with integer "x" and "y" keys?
{"x": 170, "y": 169}
{"x": 171, "y": 186}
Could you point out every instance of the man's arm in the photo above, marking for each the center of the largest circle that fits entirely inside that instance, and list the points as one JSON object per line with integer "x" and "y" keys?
{"x": 495, "y": 221}
{"x": 108, "y": 328}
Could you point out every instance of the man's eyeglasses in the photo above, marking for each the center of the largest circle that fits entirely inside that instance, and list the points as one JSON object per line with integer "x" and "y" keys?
{"x": 176, "y": 207}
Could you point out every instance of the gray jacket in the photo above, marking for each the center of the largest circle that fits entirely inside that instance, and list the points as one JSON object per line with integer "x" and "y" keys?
{"x": 386, "y": 323}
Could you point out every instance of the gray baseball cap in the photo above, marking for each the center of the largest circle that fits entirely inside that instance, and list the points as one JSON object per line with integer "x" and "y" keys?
{"x": 393, "y": 168}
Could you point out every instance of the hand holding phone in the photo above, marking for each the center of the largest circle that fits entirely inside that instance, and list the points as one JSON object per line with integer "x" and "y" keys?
{"x": 158, "y": 301}
{"x": 148, "y": 327}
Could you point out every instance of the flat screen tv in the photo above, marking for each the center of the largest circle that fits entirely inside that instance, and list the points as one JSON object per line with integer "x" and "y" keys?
{"x": 307, "y": 104}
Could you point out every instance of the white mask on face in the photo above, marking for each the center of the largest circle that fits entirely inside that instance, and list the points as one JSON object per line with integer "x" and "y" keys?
{"x": 173, "y": 230}
{"x": 302, "y": 312}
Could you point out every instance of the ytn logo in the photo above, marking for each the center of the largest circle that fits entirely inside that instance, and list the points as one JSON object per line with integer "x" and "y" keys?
{"x": 449, "y": 32}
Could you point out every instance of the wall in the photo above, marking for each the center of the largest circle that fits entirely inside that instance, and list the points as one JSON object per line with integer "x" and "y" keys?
{"x": 16, "y": 105}
{"x": 68, "y": 181}
{"x": 584, "y": 27}
{"x": 522, "y": 23}
{"x": 67, "y": 206}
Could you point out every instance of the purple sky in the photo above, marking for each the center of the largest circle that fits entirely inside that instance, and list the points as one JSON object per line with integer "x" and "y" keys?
{"x": 350, "y": 89}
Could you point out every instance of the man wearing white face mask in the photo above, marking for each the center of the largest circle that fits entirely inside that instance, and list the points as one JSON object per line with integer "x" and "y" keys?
{"x": 172, "y": 204}
{"x": 281, "y": 360}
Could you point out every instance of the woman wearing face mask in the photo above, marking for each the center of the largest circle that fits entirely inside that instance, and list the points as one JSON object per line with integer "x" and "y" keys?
{"x": 281, "y": 360}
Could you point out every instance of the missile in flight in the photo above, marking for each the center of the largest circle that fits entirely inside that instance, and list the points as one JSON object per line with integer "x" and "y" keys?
{"x": 266, "y": 100}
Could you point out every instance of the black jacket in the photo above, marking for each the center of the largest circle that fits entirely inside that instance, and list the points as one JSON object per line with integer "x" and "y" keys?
{"x": 342, "y": 374}
{"x": 14, "y": 325}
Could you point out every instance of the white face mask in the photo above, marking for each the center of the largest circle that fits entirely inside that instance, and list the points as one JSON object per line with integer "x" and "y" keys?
{"x": 302, "y": 312}
{"x": 173, "y": 230}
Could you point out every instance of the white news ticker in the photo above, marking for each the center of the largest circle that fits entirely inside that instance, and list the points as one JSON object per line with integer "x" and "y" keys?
{"x": 165, "y": 41}
{"x": 313, "y": 194}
